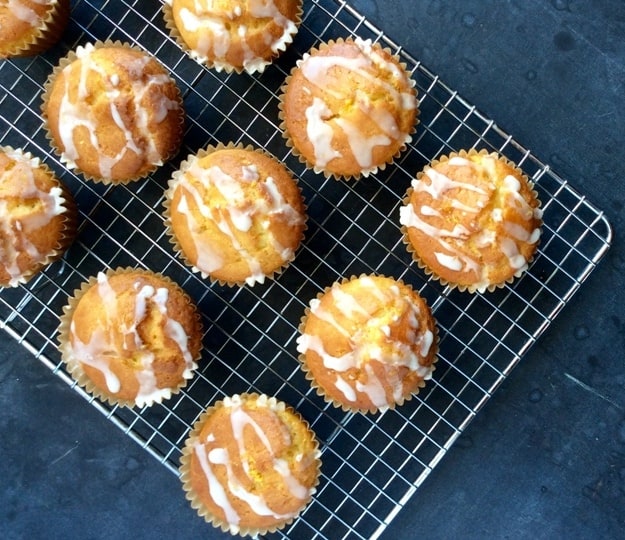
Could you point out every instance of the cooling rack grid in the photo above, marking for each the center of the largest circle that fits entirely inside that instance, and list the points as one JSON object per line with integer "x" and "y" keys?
{"x": 372, "y": 464}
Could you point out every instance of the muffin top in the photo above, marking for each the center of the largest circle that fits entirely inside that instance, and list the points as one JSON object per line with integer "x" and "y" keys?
{"x": 251, "y": 464}
{"x": 348, "y": 108}
{"x": 113, "y": 112}
{"x": 32, "y": 222}
{"x": 472, "y": 219}
{"x": 132, "y": 336}
{"x": 20, "y": 22}
{"x": 368, "y": 343}
{"x": 236, "y": 214}
{"x": 236, "y": 34}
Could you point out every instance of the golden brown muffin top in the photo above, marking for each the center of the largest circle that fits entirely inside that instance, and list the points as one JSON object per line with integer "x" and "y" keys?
{"x": 237, "y": 214}
{"x": 253, "y": 463}
{"x": 472, "y": 219}
{"x": 113, "y": 112}
{"x": 31, "y": 214}
{"x": 135, "y": 335}
{"x": 236, "y": 34}
{"x": 349, "y": 108}
{"x": 367, "y": 343}
{"x": 20, "y": 21}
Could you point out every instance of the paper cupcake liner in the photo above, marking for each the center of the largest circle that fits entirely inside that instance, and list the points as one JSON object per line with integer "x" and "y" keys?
{"x": 218, "y": 65}
{"x": 346, "y": 407}
{"x": 491, "y": 287}
{"x": 47, "y": 34}
{"x": 323, "y": 170}
{"x": 70, "y": 218}
{"x": 73, "y": 364}
{"x": 186, "y": 458}
{"x": 173, "y": 240}
{"x": 71, "y": 165}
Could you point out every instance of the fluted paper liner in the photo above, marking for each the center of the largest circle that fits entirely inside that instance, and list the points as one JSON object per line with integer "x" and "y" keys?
{"x": 73, "y": 364}
{"x": 47, "y": 89}
{"x": 187, "y": 454}
{"x": 344, "y": 405}
{"x": 310, "y": 165}
{"x": 426, "y": 269}
{"x": 169, "y": 193}
{"x": 227, "y": 67}
{"x": 48, "y": 32}
{"x": 70, "y": 217}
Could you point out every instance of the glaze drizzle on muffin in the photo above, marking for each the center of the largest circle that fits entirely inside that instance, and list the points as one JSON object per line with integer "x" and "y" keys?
{"x": 26, "y": 208}
{"x": 105, "y": 108}
{"x": 252, "y": 463}
{"x": 367, "y": 342}
{"x": 125, "y": 328}
{"x": 349, "y": 107}
{"x": 472, "y": 217}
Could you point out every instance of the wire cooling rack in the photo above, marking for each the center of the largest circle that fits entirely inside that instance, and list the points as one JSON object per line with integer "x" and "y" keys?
{"x": 371, "y": 464}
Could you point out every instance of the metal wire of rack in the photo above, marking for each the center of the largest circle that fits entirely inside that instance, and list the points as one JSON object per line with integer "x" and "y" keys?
{"x": 372, "y": 464}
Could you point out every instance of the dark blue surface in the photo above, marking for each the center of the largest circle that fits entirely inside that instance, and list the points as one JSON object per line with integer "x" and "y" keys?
{"x": 545, "y": 458}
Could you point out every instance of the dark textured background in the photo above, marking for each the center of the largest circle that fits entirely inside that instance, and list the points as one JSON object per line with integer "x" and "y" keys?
{"x": 545, "y": 458}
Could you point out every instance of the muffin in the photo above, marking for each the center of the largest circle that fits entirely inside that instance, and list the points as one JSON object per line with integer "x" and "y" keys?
{"x": 234, "y": 214}
{"x": 37, "y": 217}
{"x": 112, "y": 112}
{"x": 130, "y": 337}
{"x": 233, "y": 35}
{"x": 368, "y": 343}
{"x": 29, "y": 27}
{"x": 250, "y": 464}
{"x": 472, "y": 220}
{"x": 348, "y": 108}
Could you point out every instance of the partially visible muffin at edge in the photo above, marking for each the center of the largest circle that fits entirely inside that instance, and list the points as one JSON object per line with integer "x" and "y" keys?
{"x": 233, "y": 35}
{"x": 29, "y": 27}
{"x": 38, "y": 216}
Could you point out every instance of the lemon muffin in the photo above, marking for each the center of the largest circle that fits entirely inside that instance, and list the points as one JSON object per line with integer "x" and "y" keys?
{"x": 250, "y": 464}
{"x": 130, "y": 337}
{"x": 235, "y": 214}
{"x": 113, "y": 112}
{"x": 472, "y": 220}
{"x": 368, "y": 343}
{"x": 28, "y": 27}
{"x": 348, "y": 108}
{"x": 37, "y": 217}
{"x": 233, "y": 35}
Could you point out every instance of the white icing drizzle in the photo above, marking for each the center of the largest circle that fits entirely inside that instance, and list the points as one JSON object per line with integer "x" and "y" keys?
{"x": 213, "y": 25}
{"x": 213, "y": 453}
{"x": 75, "y": 114}
{"x": 319, "y": 70}
{"x": 453, "y": 255}
{"x": 238, "y": 211}
{"x": 403, "y": 351}
{"x": 102, "y": 347}
{"x": 26, "y": 14}
{"x": 19, "y": 182}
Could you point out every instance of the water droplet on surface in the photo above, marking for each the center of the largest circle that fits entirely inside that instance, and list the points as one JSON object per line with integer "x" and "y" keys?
{"x": 581, "y": 332}
{"x": 530, "y": 75}
{"x": 535, "y": 395}
{"x": 468, "y": 20}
